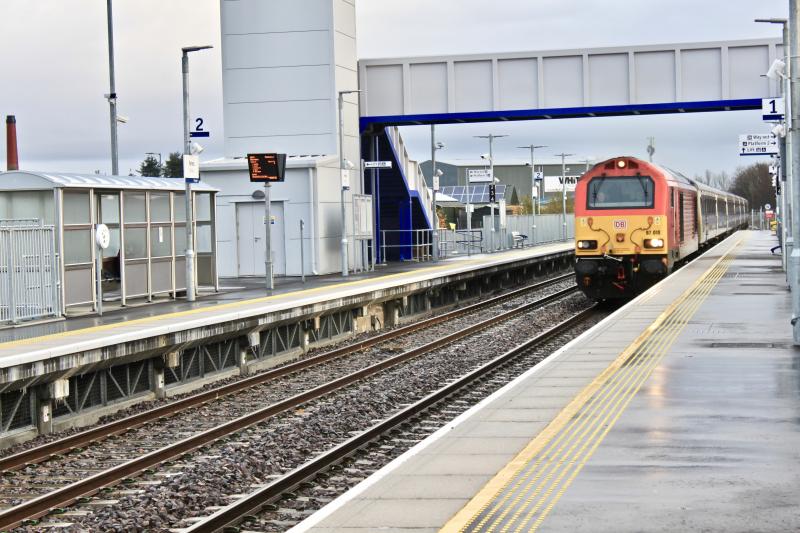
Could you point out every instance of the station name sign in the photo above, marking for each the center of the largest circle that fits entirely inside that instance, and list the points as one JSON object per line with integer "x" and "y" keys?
{"x": 758, "y": 144}
{"x": 266, "y": 168}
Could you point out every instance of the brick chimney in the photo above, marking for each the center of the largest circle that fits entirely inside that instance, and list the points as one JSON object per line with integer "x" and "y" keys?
{"x": 12, "y": 158}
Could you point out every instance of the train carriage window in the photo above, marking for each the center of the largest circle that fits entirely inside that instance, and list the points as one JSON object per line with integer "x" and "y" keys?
{"x": 631, "y": 192}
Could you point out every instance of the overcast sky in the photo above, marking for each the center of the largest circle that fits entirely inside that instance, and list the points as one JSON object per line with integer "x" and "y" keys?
{"x": 54, "y": 72}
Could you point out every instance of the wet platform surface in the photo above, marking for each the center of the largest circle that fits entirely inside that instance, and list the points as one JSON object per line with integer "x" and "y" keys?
{"x": 680, "y": 412}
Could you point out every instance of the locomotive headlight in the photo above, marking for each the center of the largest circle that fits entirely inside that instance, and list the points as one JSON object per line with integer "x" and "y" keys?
{"x": 587, "y": 245}
{"x": 654, "y": 243}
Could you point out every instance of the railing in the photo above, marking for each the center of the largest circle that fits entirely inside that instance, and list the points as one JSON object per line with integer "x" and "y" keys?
{"x": 460, "y": 242}
{"x": 29, "y": 274}
{"x": 411, "y": 169}
{"x": 406, "y": 245}
{"x": 549, "y": 228}
{"x": 417, "y": 245}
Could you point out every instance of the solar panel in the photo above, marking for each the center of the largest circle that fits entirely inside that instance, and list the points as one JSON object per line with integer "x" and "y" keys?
{"x": 476, "y": 194}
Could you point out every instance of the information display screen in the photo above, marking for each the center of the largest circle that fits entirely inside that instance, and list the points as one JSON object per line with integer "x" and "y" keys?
{"x": 266, "y": 167}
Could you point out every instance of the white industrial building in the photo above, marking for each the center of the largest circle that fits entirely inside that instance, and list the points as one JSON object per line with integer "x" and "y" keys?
{"x": 283, "y": 65}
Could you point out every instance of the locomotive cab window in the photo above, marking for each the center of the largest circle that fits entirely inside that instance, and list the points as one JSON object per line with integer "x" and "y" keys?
{"x": 627, "y": 192}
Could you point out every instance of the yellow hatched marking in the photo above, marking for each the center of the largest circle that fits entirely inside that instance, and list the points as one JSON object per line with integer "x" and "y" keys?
{"x": 232, "y": 305}
{"x": 589, "y": 404}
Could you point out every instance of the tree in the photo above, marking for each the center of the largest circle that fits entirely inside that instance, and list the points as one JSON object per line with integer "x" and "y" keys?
{"x": 755, "y": 184}
{"x": 150, "y": 167}
{"x": 173, "y": 166}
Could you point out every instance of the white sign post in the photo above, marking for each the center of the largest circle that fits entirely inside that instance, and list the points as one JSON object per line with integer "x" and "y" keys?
{"x": 758, "y": 144}
{"x": 191, "y": 168}
{"x": 773, "y": 109}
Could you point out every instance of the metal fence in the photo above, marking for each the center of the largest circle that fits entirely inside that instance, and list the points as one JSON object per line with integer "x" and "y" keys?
{"x": 417, "y": 245}
{"x": 549, "y": 228}
{"x": 29, "y": 279}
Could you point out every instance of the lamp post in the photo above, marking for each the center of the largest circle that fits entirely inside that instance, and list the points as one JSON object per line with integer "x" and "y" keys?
{"x": 534, "y": 189}
{"x": 491, "y": 138}
{"x": 112, "y": 92}
{"x": 345, "y": 183}
{"x": 187, "y": 150}
{"x": 564, "y": 195}
{"x": 435, "y": 174}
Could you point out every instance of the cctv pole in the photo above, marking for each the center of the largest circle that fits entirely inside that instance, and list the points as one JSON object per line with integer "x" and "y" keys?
{"x": 187, "y": 150}
{"x": 794, "y": 67}
{"x": 112, "y": 93}
{"x": 564, "y": 195}
{"x": 343, "y": 191}
{"x": 534, "y": 189}
{"x": 434, "y": 178}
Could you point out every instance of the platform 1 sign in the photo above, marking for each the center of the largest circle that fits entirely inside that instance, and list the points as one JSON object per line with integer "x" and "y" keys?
{"x": 772, "y": 109}
{"x": 758, "y": 144}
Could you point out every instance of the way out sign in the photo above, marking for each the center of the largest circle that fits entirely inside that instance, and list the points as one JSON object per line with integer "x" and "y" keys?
{"x": 758, "y": 144}
{"x": 773, "y": 109}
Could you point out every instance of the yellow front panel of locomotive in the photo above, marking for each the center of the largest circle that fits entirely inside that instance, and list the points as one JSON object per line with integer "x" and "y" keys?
{"x": 620, "y": 234}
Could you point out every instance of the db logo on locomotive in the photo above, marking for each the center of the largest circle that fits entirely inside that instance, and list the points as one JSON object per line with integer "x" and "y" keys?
{"x": 620, "y": 224}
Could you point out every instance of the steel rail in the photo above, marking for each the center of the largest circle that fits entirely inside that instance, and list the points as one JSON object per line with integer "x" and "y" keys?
{"x": 234, "y": 513}
{"x": 95, "y": 434}
{"x": 68, "y": 494}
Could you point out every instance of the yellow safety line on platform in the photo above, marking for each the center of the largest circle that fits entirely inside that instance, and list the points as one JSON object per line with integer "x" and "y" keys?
{"x": 240, "y": 303}
{"x": 538, "y": 476}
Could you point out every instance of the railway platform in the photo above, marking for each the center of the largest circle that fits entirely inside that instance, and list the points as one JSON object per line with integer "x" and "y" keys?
{"x": 678, "y": 412}
{"x": 57, "y": 374}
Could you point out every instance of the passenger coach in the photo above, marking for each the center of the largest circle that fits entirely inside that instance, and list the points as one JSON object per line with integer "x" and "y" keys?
{"x": 635, "y": 220}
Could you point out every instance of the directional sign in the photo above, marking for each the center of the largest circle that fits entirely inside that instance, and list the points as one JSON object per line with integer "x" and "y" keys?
{"x": 773, "y": 109}
{"x": 377, "y": 164}
{"x": 758, "y": 144}
{"x": 479, "y": 175}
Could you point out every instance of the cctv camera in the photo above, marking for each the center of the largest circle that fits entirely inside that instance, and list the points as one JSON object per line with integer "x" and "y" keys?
{"x": 122, "y": 119}
{"x": 439, "y": 172}
{"x": 776, "y": 70}
{"x": 439, "y": 145}
{"x": 196, "y": 149}
{"x": 779, "y": 130}
{"x": 348, "y": 164}
{"x": 484, "y": 156}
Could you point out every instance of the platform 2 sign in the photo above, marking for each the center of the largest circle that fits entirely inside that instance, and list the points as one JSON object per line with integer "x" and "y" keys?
{"x": 266, "y": 168}
{"x": 758, "y": 144}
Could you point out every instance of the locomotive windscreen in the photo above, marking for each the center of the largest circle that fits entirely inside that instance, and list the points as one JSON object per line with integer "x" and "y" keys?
{"x": 627, "y": 192}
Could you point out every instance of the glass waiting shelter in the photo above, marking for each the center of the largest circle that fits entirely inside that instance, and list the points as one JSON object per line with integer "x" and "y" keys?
{"x": 147, "y": 221}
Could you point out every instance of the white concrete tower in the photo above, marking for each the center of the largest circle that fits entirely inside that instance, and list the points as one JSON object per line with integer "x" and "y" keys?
{"x": 283, "y": 64}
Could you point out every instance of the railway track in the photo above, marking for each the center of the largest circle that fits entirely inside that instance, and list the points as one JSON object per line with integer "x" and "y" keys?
{"x": 69, "y": 472}
{"x": 320, "y": 476}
